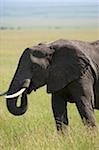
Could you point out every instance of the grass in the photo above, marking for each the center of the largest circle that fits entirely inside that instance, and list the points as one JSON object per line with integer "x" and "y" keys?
{"x": 36, "y": 129}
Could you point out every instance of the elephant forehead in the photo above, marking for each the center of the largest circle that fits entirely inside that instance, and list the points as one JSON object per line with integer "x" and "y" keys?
{"x": 41, "y": 48}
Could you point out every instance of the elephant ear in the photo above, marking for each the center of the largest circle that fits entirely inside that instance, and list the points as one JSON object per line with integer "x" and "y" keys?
{"x": 97, "y": 95}
{"x": 67, "y": 65}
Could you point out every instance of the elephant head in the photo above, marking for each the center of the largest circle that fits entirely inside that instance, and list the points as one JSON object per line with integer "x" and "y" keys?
{"x": 30, "y": 74}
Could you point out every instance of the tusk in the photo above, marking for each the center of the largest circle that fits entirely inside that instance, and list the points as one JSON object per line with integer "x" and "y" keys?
{"x": 15, "y": 94}
{"x": 4, "y": 93}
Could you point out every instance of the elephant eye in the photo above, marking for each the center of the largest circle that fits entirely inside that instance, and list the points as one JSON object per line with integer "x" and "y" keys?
{"x": 51, "y": 47}
{"x": 35, "y": 66}
{"x": 50, "y": 54}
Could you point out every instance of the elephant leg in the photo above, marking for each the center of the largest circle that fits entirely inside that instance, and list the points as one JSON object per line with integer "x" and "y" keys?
{"x": 59, "y": 107}
{"x": 65, "y": 116}
{"x": 82, "y": 93}
{"x": 86, "y": 111}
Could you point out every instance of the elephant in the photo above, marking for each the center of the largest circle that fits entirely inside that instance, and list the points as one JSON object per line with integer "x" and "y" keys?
{"x": 70, "y": 71}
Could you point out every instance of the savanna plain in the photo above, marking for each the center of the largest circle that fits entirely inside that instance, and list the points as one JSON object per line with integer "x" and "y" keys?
{"x": 36, "y": 130}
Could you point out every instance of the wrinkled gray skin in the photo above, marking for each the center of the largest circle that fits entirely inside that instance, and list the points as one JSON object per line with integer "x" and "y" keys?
{"x": 70, "y": 69}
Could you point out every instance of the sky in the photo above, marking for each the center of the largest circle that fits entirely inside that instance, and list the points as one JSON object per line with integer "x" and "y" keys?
{"x": 13, "y": 11}
{"x": 84, "y": 2}
{"x": 89, "y": 1}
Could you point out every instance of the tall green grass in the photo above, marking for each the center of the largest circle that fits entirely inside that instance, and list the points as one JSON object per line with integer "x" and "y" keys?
{"x": 36, "y": 130}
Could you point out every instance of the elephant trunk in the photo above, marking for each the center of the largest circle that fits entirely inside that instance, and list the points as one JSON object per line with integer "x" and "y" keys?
{"x": 12, "y": 105}
{"x": 19, "y": 85}
{"x": 14, "y": 92}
